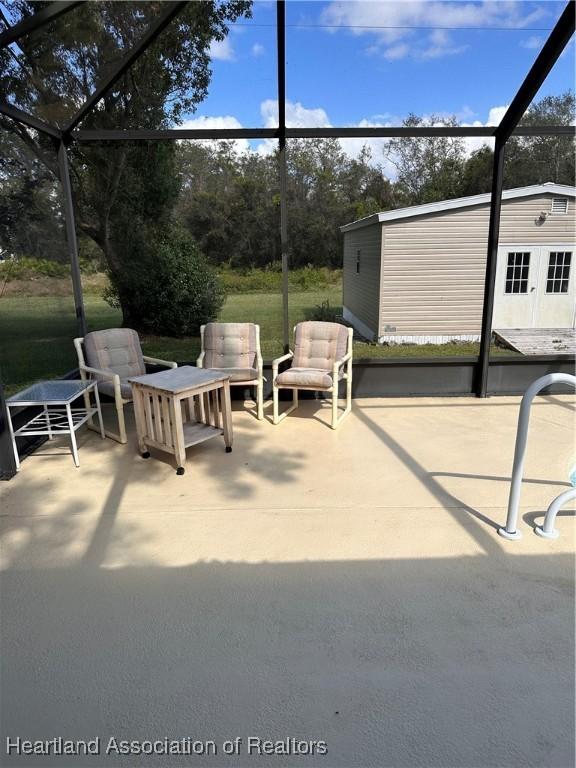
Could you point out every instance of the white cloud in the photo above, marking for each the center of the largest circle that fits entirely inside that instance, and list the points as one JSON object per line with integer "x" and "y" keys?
{"x": 395, "y": 52}
{"x": 297, "y": 116}
{"x": 228, "y": 121}
{"x": 440, "y": 44}
{"x": 472, "y": 143}
{"x": 258, "y": 50}
{"x": 533, "y": 42}
{"x": 221, "y": 50}
{"x": 394, "y": 26}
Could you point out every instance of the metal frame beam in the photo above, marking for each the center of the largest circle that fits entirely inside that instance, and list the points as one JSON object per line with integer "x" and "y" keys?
{"x": 553, "y": 47}
{"x": 145, "y": 41}
{"x": 282, "y": 166}
{"x": 70, "y": 222}
{"x": 490, "y": 276}
{"x": 175, "y": 134}
{"x": 35, "y": 21}
{"x": 29, "y": 120}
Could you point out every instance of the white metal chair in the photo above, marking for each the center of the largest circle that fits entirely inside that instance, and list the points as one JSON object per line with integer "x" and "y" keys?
{"x": 322, "y": 357}
{"x": 112, "y": 356}
{"x": 234, "y": 348}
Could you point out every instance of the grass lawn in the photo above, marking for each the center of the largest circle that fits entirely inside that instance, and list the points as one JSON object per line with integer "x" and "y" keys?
{"x": 37, "y": 332}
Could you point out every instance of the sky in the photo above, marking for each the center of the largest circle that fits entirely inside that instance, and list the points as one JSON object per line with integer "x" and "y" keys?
{"x": 372, "y": 62}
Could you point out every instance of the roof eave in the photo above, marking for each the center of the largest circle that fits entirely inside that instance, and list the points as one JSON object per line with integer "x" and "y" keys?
{"x": 549, "y": 188}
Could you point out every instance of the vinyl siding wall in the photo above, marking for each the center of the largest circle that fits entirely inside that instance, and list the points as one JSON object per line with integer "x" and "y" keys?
{"x": 433, "y": 266}
{"x": 362, "y": 290}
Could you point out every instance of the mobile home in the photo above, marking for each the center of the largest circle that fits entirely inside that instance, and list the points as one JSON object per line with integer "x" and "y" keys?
{"x": 417, "y": 274}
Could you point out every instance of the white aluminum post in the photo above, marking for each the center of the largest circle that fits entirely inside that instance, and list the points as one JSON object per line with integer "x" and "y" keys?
{"x": 99, "y": 410}
{"x": 72, "y": 434}
{"x": 48, "y": 426}
{"x": 12, "y": 438}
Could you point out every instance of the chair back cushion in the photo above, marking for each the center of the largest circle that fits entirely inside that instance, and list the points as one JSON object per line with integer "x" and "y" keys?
{"x": 318, "y": 344}
{"x": 230, "y": 345}
{"x": 117, "y": 350}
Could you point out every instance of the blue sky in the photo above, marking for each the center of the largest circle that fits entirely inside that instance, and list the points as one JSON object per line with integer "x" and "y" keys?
{"x": 369, "y": 63}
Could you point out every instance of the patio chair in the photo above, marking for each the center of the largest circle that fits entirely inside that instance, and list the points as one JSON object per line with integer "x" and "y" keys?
{"x": 234, "y": 348}
{"x": 322, "y": 357}
{"x": 113, "y": 356}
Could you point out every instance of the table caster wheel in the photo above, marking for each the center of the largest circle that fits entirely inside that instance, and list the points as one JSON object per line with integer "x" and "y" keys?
{"x": 228, "y": 449}
{"x": 145, "y": 454}
{"x": 180, "y": 471}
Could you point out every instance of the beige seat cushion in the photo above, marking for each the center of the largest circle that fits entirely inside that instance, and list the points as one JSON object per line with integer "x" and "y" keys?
{"x": 238, "y": 374}
{"x": 229, "y": 346}
{"x": 319, "y": 345}
{"x": 304, "y": 377}
{"x": 117, "y": 350}
{"x": 107, "y": 388}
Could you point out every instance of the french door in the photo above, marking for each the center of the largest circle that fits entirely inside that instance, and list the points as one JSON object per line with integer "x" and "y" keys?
{"x": 535, "y": 287}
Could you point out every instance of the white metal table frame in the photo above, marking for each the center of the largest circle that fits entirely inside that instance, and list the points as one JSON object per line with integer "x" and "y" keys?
{"x": 57, "y": 417}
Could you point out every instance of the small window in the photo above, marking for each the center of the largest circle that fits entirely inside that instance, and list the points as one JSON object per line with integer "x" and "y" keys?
{"x": 558, "y": 272}
{"x": 357, "y": 262}
{"x": 517, "y": 272}
{"x": 560, "y": 205}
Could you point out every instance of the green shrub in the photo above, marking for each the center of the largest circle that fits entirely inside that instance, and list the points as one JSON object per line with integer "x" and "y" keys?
{"x": 92, "y": 260}
{"x": 167, "y": 287}
{"x": 269, "y": 279}
{"x": 324, "y": 312}
{"x": 250, "y": 280}
{"x": 27, "y": 268}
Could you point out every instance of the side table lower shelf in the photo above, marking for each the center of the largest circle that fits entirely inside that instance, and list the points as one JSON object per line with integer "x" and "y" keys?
{"x": 196, "y": 432}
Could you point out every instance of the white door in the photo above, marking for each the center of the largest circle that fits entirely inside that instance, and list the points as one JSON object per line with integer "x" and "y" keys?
{"x": 556, "y": 295}
{"x": 535, "y": 287}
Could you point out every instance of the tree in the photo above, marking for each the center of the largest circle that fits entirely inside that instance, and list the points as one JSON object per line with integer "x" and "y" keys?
{"x": 529, "y": 159}
{"x": 477, "y": 172}
{"x": 429, "y": 167}
{"x": 537, "y": 159}
{"x": 230, "y": 200}
{"x": 229, "y": 203}
{"x": 30, "y": 218}
{"x": 125, "y": 194}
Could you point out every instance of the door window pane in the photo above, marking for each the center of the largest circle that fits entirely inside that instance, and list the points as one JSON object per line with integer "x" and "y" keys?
{"x": 558, "y": 272}
{"x": 517, "y": 272}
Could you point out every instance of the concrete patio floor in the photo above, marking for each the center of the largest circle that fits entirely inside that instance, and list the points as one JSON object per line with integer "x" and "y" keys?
{"x": 343, "y": 586}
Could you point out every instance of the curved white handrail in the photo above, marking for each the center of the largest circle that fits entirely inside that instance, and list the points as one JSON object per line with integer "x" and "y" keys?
{"x": 547, "y": 531}
{"x": 510, "y": 531}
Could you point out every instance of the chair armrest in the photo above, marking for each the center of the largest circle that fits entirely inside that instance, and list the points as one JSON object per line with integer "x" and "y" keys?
{"x": 278, "y": 360}
{"x": 158, "y": 361}
{"x": 114, "y": 378}
{"x": 343, "y": 360}
{"x": 200, "y": 360}
{"x": 339, "y": 363}
{"x": 100, "y": 372}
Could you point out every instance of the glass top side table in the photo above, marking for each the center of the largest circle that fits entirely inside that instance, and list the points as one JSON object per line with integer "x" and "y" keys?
{"x": 58, "y": 417}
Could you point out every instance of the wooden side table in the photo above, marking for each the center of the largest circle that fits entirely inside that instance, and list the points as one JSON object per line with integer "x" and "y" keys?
{"x": 180, "y": 407}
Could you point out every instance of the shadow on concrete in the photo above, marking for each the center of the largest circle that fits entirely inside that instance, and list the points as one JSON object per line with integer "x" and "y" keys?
{"x": 453, "y": 505}
{"x": 445, "y": 663}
